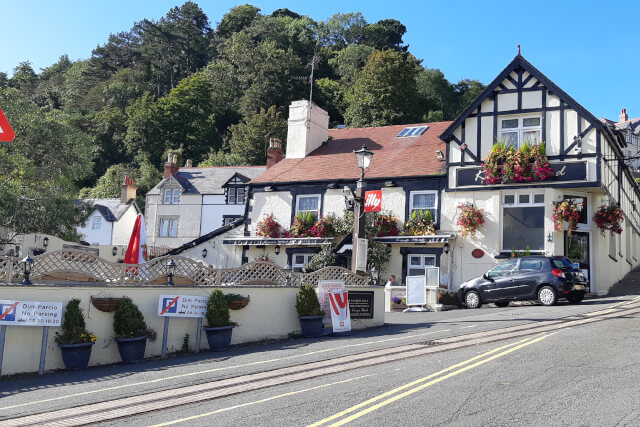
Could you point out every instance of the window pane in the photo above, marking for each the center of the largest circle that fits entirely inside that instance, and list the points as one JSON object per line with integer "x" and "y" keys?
{"x": 429, "y": 261}
{"x": 509, "y": 123}
{"x": 240, "y": 193}
{"x": 231, "y": 195}
{"x": 503, "y": 269}
{"x": 523, "y": 226}
{"x": 531, "y": 121}
{"x": 530, "y": 265}
{"x": 424, "y": 201}
{"x": 531, "y": 136}
{"x": 174, "y": 228}
{"x": 164, "y": 227}
{"x": 415, "y": 260}
{"x": 299, "y": 259}
{"x": 538, "y": 198}
{"x": 510, "y": 138}
{"x": 308, "y": 203}
{"x": 415, "y": 272}
{"x": 167, "y": 197}
{"x": 176, "y": 197}
{"x": 523, "y": 198}
{"x": 509, "y": 199}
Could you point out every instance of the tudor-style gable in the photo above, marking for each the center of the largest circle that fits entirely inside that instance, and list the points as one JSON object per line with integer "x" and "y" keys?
{"x": 522, "y": 105}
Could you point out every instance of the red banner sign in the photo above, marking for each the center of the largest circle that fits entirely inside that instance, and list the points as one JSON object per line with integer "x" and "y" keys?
{"x": 373, "y": 201}
{"x": 6, "y": 133}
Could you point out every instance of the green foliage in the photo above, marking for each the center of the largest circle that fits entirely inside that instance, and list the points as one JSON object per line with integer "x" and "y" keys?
{"x": 249, "y": 138}
{"x": 385, "y": 91}
{"x": 325, "y": 258}
{"x": 186, "y": 348}
{"x": 302, "y": 225}
{"x": 128, "y": 321}
{"x": 307, "y": 303}
{"x": 73, "y": 326}
{"x": 420, "y": 223}
{"x": 217, "y": 310}
{"x": 233, "y": 297}
{"x": 220, "y": 158}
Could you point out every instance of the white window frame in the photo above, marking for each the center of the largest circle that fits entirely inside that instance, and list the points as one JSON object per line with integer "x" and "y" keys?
{"x": 422, "y": 265}
{"x": 171, "y": 229}
{"x": 435, "y": 207}
{"x": 520, "y": 129}
{"x": 171, "y": 196}
{"x": 234, "y": 190}
{"x": 96, "y": 223}
{"x": 516, "y": 204}
{"x": 317, "y": 212}
{"x": 297, "y": 267}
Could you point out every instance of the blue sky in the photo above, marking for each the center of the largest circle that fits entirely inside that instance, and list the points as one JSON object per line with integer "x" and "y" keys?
{"x": 585, "y": 48}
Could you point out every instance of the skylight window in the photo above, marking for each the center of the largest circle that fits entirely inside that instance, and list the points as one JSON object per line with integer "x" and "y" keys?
{"x": 412, "y": 131}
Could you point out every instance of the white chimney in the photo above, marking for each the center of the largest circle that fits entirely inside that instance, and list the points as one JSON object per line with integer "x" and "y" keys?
{"x": 306, "y": 131}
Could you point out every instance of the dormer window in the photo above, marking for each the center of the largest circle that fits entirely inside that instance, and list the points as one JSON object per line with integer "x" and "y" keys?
{"x": 235, "y": 191}
{"x": 517, "y": 131}
{"x": 171, "y": 196}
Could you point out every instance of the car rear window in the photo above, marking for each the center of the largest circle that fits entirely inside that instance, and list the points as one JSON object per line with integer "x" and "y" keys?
{"x": 561, "y": 263}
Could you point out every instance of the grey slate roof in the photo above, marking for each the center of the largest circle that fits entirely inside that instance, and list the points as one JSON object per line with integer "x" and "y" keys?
{"x": 110, "y": 209}
{"x": 209, "y": 180}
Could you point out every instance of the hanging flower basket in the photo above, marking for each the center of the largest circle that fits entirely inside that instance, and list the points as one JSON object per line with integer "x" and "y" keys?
{"x": 470, "y": 219}
{"x": 609, "y": 217}
{"x": 566, "y": 210}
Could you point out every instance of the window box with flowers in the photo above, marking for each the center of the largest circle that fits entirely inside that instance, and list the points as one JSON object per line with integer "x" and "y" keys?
{"x": 398, "y": 304}
{"x": 420, "y": 224}
{"x": 470, "y": 219}
{"x": 566, "y": 211}
{"x": 268, "y": 227}
{"x": 504, "y": 164}
{"x": 609, "y": 217}
{"x": 385, "y": 225}
{"x": 301, "y": 227}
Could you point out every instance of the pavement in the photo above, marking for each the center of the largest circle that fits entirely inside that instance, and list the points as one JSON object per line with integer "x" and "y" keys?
{"x": 630, "y": 285}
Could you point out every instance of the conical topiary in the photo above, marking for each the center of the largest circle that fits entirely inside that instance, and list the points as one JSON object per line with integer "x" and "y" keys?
{"x": 128, "y": 321}
{"x": 217, "y": 310}
{"x": 307, "y": 303}
{"x": 73, "y": 326}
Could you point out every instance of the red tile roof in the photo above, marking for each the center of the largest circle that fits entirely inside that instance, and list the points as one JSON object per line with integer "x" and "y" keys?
{"x": 393, "y": 157}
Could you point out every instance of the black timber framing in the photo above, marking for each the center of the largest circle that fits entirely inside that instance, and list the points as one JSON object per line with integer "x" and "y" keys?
{"x": 544, "y": 115}
{"x": 561, "y": 127}
{"x": 519, "y": 86}
{"x": 521, "y": 111}
{"x": 520, "y": 63}
{"x": 479, "y": 137}
{"x": 495, "y": 118}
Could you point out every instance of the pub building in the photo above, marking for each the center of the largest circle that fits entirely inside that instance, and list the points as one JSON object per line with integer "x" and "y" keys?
{"x": 518, "y": 112}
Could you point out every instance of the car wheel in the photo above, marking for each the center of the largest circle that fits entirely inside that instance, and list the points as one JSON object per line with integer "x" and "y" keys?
{"x": 575, "y": 299}
{"x": 472, "y": 299}
{"x": 547, "y": 295}
{"x": 501, "y": 303}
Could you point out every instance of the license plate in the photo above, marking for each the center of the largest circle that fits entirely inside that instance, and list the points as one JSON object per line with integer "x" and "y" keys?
{"x": 578, "y": 287}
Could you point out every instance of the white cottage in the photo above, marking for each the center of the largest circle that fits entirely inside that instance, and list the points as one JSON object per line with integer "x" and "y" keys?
{"x": 522, "y": 107}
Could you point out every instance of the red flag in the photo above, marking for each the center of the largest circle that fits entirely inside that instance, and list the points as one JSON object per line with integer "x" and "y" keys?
{"x": 6, "y": 132}
{"x": 137, "y": 249}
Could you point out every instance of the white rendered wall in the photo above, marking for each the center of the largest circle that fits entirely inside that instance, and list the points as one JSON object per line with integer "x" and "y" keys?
{"x": 123, "y": 228}
{"x": 101, "y": 236}
{"x": 213, "y": 210}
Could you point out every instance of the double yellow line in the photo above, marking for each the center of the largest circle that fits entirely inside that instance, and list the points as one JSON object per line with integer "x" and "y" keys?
{"x": 425, "y": 382}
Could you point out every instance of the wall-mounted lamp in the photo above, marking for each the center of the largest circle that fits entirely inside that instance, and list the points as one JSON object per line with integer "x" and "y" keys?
{"x": 204, "y": 253}
{"x": 440, "y": 154}
{"x": 45, "y": 242}
{"x": 331, "y": 185}
{"x": 171, "y": 270}
{"x": 114, "y": 251}
{"x": 445, "y": 248}
{"x": 268, "y": 188}
{"x": 550, "y": 237}
{"x": 27, "y": 265}
{"x": 389, "y": 184}
{"x": 277, "y": 249}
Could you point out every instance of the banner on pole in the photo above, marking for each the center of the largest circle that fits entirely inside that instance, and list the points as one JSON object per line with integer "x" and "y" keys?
{"x": 340, "y": 315}
{"x": 324, "y": 287}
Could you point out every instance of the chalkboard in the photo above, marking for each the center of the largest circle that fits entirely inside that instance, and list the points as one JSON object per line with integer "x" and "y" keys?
{"x": 416, "y": 290}
{"x": 361, "y": 304}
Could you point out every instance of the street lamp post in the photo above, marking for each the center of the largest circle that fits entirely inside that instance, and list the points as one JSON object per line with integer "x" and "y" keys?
{"x": 364, "y": 157}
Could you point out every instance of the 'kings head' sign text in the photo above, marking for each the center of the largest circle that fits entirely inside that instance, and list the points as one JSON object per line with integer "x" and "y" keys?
{"x": 565, "y": 171}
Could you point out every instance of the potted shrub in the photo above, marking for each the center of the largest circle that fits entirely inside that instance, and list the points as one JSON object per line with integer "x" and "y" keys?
{"x": 75, "y": 341}
{"x": 309, "y": 312}
{"x": 220, "y": 328}
{"x": 131, "y": 331}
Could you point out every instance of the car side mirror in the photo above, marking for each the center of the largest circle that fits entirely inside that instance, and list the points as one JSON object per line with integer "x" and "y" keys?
{"x": 485, "y": 276}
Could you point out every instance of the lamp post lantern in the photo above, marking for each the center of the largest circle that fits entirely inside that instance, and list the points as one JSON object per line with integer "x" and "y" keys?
{"x": 364, "y": 157}
{"x": 27, "y": 265}
{"x": 171, "y": 270}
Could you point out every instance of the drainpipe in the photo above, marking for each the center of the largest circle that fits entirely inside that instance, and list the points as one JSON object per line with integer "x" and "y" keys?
{"x": 449, "y": 266}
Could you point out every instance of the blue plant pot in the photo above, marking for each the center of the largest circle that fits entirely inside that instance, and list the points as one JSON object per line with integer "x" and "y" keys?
{"x": 219, "y": 338}
{"x": 76, "y": 356}
{"x": 311, "y": 326}
{"x": 132, "y": 349}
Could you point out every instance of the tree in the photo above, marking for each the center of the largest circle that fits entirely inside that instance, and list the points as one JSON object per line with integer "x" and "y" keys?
{"x": 348, "y": 61}
{"x": 236, "y": 20}
{"x": 144, "y": 129}
{"x": 467, "y": 91}
{"x": 341, "y": 30}
{"x": 249, "y": 137}
{"x": 107, "y": 129}
{"x": 330, "y": 96}
{"x": 39, "y": 171}
{"x": 385, "y": 91}
{"x": 436, "y": 93}
{"x": 385, "y": 34}
{"x": 220, "y": 158}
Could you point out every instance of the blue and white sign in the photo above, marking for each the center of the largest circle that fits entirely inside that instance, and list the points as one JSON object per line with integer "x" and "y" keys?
{"x": 30, "y": 313}
{"x": 182, "y": 306}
